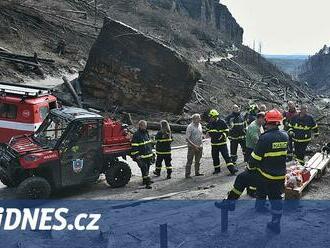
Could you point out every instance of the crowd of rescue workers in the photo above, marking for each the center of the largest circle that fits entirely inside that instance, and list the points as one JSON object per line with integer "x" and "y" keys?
{"x": 268, "y": 139}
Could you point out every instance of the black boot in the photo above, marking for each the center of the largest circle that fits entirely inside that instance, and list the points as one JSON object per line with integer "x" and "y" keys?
{"x": 251, "y": 192}
{"x": 226, "y": 204}
{"x": 168, "y": 176}
{"x": 216, "y": 171}
{"x": 156, "y": 173}
{"x": 275, "y": 225}
{"x": 148, "y": 182}
{"x": 261, "y": 206}
{"x": 232, "y": 169}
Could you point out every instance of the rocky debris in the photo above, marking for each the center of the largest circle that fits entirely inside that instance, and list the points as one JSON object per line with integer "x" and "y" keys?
{"x": 130, "y": 69}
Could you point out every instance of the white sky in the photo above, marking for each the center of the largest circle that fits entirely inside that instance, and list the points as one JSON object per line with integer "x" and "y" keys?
{"x": 283, "y": 26}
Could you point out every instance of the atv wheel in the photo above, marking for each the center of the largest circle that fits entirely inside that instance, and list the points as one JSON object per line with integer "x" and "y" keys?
{"x": 34, "y": 188}
{"x": 118, "y": 174}
{"x": 5, "y": 178}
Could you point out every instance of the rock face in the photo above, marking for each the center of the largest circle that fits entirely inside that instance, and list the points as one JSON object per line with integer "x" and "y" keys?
{"x": 208, "y": 12}
{"x": 127, "y": 68}
{"x": 316, "y": 70}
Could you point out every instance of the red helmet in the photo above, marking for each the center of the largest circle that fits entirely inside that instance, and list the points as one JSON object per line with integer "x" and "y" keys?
{"x": 274, "y": 116}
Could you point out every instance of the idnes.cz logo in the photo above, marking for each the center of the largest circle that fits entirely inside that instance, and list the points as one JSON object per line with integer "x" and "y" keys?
{"x": 46, "y": 219}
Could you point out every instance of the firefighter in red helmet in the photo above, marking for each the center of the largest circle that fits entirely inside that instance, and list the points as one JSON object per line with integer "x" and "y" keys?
{"x": 266, "y": 171}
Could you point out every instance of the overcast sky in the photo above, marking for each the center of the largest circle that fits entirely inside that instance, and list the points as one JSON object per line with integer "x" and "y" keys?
{"x": 283, "y": 26}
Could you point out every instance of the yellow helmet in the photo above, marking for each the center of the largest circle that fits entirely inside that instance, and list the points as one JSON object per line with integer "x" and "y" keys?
{"x": 213, "y": 113}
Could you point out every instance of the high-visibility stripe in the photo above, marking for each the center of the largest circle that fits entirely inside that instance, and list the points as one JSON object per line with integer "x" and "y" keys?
{"x": 169, "y": 168}
{"x": 229, "y": 164}
{"x": 217, "y": 166}
{"x": 239, "y": 124}
{"x": 145, "y": 177}
{"x": 236, "y": 138}
{"x": 217, "y": 131}
{"x": 219, "y": 144}
{"x": 297, "y": 127}
{"x": 270, "y": 176}
{"x": 276, "y": 154}
{"x": 252, "y": 188}
{"x": 256, "y": 157}
{"x": 236, "y": 191}
{"x": 15, "y": 125}
{"x": 299, "y": 160}
{"x": 134, "y": 153}
{"x": 158, "y": 168}
{"x": 164, "y": 140}
{"x": 302, "y": 140}
{"x": 142, "y": 143}
{"x": 249, "y": 168}
{"x": 316, "y": 126}
{"x": 147, "y": 156}
{"x": 163, "y": 153}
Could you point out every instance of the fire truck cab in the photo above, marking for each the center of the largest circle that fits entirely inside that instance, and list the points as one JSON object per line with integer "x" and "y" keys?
{"x": 22, "y": 109}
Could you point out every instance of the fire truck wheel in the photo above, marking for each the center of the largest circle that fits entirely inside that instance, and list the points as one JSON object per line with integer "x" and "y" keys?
{"x": 118, "y": 174}
{"x": 34, "y": 188}
{"x": 5, "y": 179}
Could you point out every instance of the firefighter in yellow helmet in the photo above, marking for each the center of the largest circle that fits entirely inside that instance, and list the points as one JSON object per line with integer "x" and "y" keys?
{"x": 217, "y": 130}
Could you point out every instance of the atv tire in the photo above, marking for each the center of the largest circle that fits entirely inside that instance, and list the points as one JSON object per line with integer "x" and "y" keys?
{"x": 34, "y": 188}
{"x": 5, "y": 178}
{"x": 118, "y": 174}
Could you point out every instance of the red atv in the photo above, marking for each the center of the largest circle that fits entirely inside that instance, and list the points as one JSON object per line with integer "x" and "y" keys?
{"x": 71, "y": 147}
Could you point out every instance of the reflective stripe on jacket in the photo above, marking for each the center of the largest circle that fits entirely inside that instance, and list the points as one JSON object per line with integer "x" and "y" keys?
{"x": 141, "y": 144}
{"x": 218, "y": 131}
{"x": 302, "y": 127}
{"x": 237, "y": 126}
{"x": 269, "y": 156}
{"x": 163, "y": 143}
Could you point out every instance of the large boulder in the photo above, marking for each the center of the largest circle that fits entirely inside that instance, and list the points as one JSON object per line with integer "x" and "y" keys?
{"x": 130, "y": 69}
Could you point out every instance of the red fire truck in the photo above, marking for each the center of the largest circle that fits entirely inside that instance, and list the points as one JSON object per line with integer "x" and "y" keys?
{"x": 22, "y": 109}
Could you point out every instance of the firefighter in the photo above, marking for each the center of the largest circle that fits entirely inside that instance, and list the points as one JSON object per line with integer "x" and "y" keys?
{"x": 266, "y": 170}
{"x": 251, "y": 115}
{"x": 163, "y": 148}
{"x": 237, "y": 132}
{"x": 217, "y": 129}
{"x": 287, "y": 116}
{"x": 301, "y": 127}
{"x": 141, "y": 151}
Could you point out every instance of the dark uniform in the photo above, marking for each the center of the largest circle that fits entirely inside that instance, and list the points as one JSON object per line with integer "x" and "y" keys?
{"x": 287, "y": 116}
{"x": 301, "y": 127}
{"x": 269, "y": 159}
{"x": 218, "y": 131}
{"x": 163, "y": 151}
{"x": 237, "y": 134}
{"x": 142, "y": 153}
